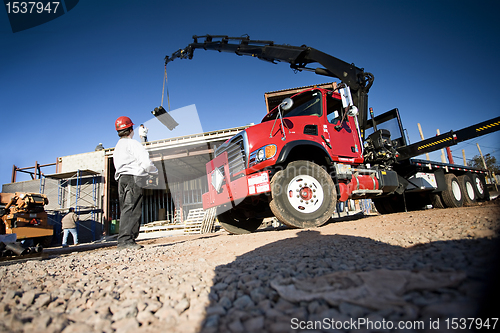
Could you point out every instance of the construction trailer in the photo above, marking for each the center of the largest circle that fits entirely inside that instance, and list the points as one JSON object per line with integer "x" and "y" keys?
{"x": 86, "y": 182}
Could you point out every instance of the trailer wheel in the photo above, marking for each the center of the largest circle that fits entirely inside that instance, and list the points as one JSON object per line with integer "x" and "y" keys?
{"x": 436, "y": 200}
{"x": 452, "y": 195}
{"x": 235, "y": 222}
{"x": 486, "y": 190}
{"x": 303, "y": 195}
{"x": 468, "y": 190}
{"x": 479, "y": 186}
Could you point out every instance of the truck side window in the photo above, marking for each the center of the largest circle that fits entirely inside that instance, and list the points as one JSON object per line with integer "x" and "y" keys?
{"x": 333, "y": 109}
{"x": 304, "y": 104}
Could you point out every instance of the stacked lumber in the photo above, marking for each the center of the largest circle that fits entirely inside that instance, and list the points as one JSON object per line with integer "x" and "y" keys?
{"x": 194, "y": 220}
{"x": 198, "y": 221}
{"x": 208, "y": 224}
{"x": 164, "y": 225}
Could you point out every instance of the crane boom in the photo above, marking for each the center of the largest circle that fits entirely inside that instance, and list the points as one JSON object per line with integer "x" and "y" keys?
{"x": 299, "y": 57}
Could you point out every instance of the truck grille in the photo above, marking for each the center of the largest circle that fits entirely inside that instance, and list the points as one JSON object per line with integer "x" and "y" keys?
{"x": 236, "y": 153}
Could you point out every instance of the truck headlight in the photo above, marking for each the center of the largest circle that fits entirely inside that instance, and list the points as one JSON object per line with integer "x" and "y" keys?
{"x": 262, "y": 154}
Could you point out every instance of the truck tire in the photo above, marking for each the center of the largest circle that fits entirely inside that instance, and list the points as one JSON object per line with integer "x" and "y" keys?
{"x": 394, "y": 204}
{"x": 468, "y": 190}
{"x": 389, "y": 205}
{"x": 452, "y": 194}
{"x": 486, "y": 190}
{"x": 235, "y": 222}
{"x": 379, "y": 205}
{"x": 303, "y": 195}
{"x": 479, "y": 185}
{"x": 436, "y": 201}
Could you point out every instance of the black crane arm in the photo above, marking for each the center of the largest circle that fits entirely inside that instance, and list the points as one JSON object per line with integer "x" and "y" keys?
{"x": 448, "y": 139}
{"x": 299, "y": 57}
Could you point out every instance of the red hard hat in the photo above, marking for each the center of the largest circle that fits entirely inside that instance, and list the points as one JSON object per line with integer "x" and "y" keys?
{"x": 123, "y": 123}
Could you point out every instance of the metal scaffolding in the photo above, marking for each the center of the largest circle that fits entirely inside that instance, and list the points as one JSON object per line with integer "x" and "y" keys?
{"x": 79, "y": 189}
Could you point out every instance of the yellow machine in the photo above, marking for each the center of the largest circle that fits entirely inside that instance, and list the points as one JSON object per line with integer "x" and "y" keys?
{"x": 23, "y": 214}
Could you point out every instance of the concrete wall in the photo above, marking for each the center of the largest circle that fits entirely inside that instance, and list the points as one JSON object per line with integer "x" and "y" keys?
{"x": 94, "y": 161}
{"x": 49, "y": 188}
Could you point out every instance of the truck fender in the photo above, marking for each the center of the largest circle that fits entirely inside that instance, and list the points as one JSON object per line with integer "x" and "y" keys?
{"x": 288, "y": 147}
{"x": 441, "y": 182}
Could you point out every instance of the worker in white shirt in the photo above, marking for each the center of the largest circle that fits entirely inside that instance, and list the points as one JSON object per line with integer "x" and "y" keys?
{"x": 143, "y": 133}
{"x": 133, "y": 167}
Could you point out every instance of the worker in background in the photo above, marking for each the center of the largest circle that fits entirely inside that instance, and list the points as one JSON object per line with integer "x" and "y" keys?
{"x": 69, "y": 226}
{"x": 143, "y": 133}
{"x": 99, "y": 147}
{"x": 133, "y": 166}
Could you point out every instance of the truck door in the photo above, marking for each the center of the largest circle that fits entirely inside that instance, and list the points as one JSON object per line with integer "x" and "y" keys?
{"x": 341, "y": 130}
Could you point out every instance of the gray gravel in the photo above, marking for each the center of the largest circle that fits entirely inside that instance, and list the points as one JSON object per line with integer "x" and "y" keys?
{"x": 191, "y": 284}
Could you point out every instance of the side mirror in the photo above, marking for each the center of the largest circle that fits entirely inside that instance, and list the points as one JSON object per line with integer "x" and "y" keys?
{"x": 286, "y": 104}
{"x": 345, "y": 93}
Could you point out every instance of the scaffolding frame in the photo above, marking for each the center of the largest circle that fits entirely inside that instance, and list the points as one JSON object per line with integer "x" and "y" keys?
{"x": 83, "y": 199}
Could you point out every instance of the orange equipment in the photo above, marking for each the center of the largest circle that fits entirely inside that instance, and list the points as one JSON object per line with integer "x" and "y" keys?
{"x": 23, "y": 214}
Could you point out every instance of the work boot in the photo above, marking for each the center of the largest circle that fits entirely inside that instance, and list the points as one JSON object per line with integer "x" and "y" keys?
{"x": 129, "y": 246}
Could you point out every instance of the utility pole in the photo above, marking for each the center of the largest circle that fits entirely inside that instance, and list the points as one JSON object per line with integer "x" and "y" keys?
{"x": 422, "y": 137}
{"x": 463, "y": 154}
{"x": 482, "y": 157}
{"x": 494, "y": 180}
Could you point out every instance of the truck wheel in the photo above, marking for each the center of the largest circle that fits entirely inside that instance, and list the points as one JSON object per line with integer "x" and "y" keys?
{"x": 468, "y": 191}
{"x": 379, "y": 204}
{"x": 436, "y": 200}
{"x": 303, "y": 195}
{"x": 234, "y": 222}
{"x": 452, "y": 195}
{"x": 479, "y": 185}
{"x": 394, "y": 204}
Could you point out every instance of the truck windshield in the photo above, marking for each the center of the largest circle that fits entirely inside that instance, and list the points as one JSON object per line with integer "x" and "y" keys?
{"x": 305, "y": 104}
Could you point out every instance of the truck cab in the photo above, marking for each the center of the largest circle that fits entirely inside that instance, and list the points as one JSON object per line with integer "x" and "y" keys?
{"x": 317, "y": 115}
{"x": 306, "y": 135}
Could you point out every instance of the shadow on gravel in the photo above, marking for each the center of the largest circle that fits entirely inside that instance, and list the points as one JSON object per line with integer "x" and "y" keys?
{"x": 343, "y": 283}
{"x": 154, "y": 244}
{"x": 353, "y": 217}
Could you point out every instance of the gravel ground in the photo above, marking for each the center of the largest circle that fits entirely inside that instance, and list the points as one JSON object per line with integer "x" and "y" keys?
{"x": 415, "y": 268}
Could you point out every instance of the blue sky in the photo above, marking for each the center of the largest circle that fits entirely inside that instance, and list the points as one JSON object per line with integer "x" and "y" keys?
{"x": 63, "y": 83}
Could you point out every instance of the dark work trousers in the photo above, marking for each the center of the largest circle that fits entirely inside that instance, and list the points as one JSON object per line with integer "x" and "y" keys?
{"x": 130, "y": 193}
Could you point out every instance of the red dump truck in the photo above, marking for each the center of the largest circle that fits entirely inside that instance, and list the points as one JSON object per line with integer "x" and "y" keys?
{"x": 316, "y": 147}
